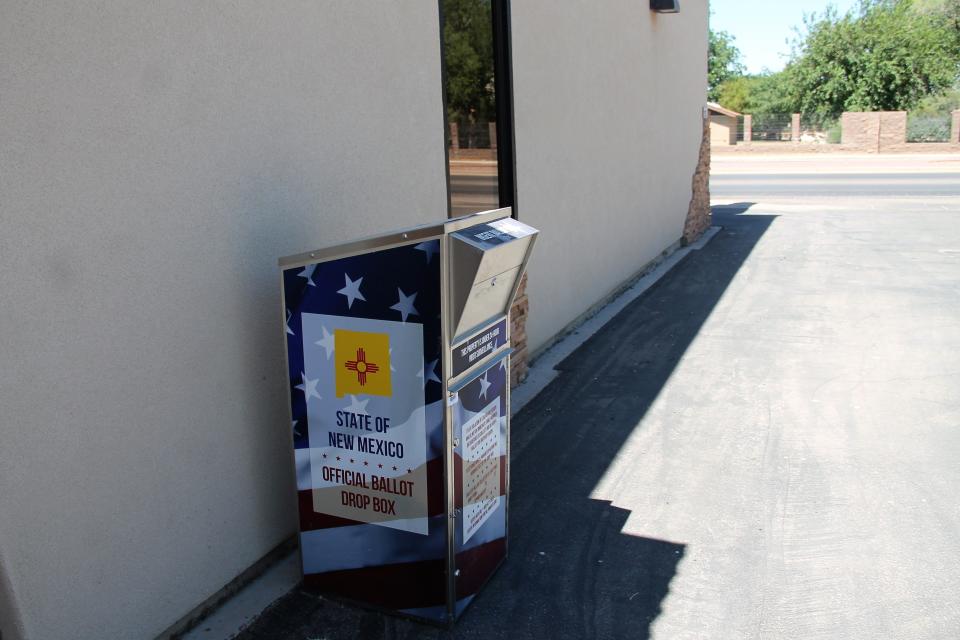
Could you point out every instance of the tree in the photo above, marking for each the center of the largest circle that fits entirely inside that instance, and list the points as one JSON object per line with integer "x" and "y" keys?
{"x": 468, "y": 53}
{"x": 941, "y": 104}
{"x": 886, "y": 55}
{"x": 723, "y": 62}
{"x": 737, "y": 94}
{"x": 764, "y": 93}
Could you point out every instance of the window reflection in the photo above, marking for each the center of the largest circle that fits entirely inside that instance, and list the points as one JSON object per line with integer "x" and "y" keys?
{"x": 471, "y": 105}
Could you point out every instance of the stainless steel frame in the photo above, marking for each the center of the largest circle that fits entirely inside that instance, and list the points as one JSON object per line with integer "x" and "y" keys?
{"x": 449, "y": 486}
{"x": 392, "y": 239}
{"x": 449, "y": 447}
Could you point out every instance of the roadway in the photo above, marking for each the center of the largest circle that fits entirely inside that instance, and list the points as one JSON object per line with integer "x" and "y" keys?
{"x": 843, "y": 184}
{"x": 839, "y": 184}
{"x": 473, "y": 186}
{"x": 835, "y": 175}
{"x": 472, "y": 192}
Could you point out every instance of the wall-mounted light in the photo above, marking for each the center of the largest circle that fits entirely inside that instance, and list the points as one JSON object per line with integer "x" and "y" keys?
{"x": 665, "y": 6}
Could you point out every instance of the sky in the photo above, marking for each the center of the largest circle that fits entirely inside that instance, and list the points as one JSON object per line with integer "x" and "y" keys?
{"x": 761, "y": 28}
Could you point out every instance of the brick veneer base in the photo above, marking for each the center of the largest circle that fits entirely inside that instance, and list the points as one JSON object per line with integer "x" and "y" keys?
{"x": 520, "y": 362}
{"x": 698, "y": 213}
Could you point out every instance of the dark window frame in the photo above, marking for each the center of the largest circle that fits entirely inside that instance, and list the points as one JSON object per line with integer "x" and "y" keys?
{"x": 503, "y": 86}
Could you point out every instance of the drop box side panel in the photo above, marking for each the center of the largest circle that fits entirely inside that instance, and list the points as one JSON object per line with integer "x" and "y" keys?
{"x": 365, "y": 369}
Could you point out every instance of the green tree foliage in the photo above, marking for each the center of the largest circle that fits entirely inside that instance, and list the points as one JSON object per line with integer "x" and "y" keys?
{"x": 737, "y": 94}
{"x": 886, "y": 55}
{"x": 762, "y": 93}
{"x": 948, "y": 9}
{"x": 930, "y": 120}
{"x": 723, "y": 62}
{"x": 938, "y": 104}
{"x": 468, "y": 52}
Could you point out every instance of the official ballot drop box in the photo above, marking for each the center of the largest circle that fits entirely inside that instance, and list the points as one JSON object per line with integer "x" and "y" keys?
{"x": 398, "y": 353}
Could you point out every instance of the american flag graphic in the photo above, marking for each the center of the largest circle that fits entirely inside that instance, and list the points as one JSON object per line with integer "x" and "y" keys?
{"x": 399, "y": 565}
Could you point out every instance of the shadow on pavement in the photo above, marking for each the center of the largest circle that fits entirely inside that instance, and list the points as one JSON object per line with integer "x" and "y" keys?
{"x": 571, "y": 571}
{"x": 734, "y": 208}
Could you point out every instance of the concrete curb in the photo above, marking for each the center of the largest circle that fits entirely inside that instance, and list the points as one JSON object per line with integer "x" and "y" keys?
{"x": 237, "y": 612}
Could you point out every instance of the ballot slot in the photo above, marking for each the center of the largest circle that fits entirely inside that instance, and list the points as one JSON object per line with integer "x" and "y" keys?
{"x": 486, "y": 262}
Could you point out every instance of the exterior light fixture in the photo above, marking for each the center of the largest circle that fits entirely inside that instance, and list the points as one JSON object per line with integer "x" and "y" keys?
{"x": 665, "y": 6}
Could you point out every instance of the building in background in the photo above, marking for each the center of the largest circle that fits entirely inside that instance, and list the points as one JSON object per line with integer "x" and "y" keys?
{"x": 723, "y": 125}
{"x": 156, "y": 162}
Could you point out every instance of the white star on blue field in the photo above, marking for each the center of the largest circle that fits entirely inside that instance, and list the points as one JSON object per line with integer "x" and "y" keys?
{"x": 352, "y": 290}
{"x": 484, "y": 385}
{"x": 308, "y": 274}
{"x": 356, "y": 406}
{"x": 431, "y": 373}
{"x": 429, "y": 248}
{"x": 327, "y": 342}
{"x": 309, "y": 387}
{"x": 405, "y": 305}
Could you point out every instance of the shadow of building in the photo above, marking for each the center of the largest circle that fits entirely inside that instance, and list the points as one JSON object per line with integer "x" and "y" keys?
{"x": 572, "y": 572}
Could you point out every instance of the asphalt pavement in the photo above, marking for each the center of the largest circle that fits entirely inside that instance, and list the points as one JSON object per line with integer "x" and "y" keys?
{"x": 763, "y": 445}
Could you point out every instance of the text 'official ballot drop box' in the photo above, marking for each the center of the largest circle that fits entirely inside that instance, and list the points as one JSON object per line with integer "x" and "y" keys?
{"x": 398, "y": 352}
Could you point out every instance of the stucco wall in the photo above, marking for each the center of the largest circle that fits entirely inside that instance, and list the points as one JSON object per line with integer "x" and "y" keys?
{"x": 608, "y": 106}
{"x": 723, "y": 130}
{"x": 157, "y": 158}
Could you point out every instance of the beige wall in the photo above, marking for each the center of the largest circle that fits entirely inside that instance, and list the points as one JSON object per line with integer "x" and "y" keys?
{"x": 723, "y": 130}
{"x": 608, "y": 125}
{"x": 157, "y": 159}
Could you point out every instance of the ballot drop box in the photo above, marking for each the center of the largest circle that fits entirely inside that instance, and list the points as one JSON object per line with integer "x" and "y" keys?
{"x": 398, "y": 354}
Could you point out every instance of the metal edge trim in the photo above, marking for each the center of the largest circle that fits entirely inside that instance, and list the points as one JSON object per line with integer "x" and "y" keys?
{"x": 390, "y": 238}
{"x": 465, "y": 336}
{"x": 506, "y": 489}
{"x": 286, "y": 392}
{"x": 523, "y": 270}
{"x": 364, "y": 245}
{"x": 471, "y": 374}
{"x": 480, "y": 217}
{"x": 448, "y": 461}
{"x": 456, "y": 383}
